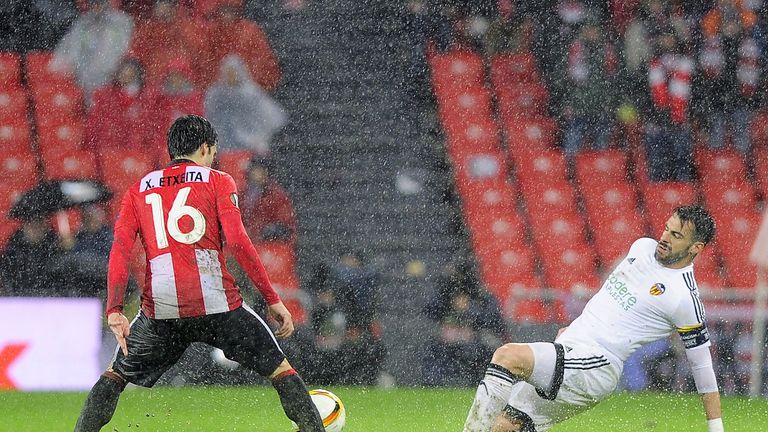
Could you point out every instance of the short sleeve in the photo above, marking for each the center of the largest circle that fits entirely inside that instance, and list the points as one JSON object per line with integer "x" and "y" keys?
{"x": 689, "y": 320}
{"x": 226, "y": 194}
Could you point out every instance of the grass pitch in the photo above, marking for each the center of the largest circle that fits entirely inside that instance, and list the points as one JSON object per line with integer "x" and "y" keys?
{"x": 253, "y": 409}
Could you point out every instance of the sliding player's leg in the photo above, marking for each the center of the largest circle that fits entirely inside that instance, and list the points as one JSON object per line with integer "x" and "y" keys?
{"x": 101, "y": 403}
{"x": 539, "y": 364}
{"x": 244, "y": 337}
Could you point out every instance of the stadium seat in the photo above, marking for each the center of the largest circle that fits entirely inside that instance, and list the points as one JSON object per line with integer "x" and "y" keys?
{"x": 537, "y": 311}
{"x": 609, "y": 199}
{"x": 565, "y": 229}
{"x": 663, "y": 197}
{"x": 504, "y": 270}
{"x": 727, "y": 199}
{"x": 18, "y": 166}
{"x": 720, "y": 166}
{"x": 550, "y": 198}
{"x": 69, "y": 163}
{"x": 613, "y": 235}
{"x": 15, "y": 135}
{"x": 457, "y": 69}
{"x": 55, "y": 102}
{"x": 570, "y": 268}
{"x": 494, "y": 232}
{"x": 547, "y": 166}
{"x": 464, "y": 107}
{"x": 478, "y": 136}
{"x": 10, "y": 70}
{"x": 707, "y": 269}
{"x": 235, "y": 163}
{"x": 734, "y": 239}
{"x": 39, "y": 74}
{"x": 530, "y": 136}
{"x": 522, "y": 101}
{"x": 13, "y": 105}
{"x": 490, "y": 200}
{"x": 280, "y": 262}
{"x": 511, "y": 69}
{"x": 60, "y": 133}
{"x": 479, "y": 172}
{"x": 119, "y": 170}
{"x": 595, "y": 167}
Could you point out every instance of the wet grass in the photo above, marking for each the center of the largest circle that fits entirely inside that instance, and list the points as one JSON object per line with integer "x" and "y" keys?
{"x": 258, "y": 409}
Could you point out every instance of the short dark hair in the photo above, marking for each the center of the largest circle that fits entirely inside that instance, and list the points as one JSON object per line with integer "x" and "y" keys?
{"x": 699, "y": 217}
{"x": 188, "y": 133}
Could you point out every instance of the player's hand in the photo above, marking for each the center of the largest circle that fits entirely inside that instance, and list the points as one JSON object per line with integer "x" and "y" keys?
{"x": 120, "y": 326}
{"x": 283, "y": 318}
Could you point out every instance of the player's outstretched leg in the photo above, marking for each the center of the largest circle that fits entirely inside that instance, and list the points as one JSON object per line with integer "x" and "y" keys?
{"x": 511, "y": 364}
{"x": 101, "y": 403}
{"x": 296, "y": 401}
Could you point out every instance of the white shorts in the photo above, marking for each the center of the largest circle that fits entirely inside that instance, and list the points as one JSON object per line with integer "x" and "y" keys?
{"x": 583, "y": 377}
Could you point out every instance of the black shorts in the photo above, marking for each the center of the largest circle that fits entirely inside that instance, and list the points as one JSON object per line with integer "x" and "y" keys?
{"x": 156, "y": 345}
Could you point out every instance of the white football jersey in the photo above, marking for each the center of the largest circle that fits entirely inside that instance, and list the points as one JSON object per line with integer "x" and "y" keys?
{"x": 640, "y": 302}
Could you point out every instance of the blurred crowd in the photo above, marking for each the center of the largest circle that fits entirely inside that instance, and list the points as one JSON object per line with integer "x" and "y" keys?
{"x": 691, "y": 72}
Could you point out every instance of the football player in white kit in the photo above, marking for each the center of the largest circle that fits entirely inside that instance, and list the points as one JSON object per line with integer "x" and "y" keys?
{"x": 651, "y": 294}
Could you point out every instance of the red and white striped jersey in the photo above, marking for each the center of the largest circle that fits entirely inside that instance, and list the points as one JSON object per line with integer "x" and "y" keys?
{"x": 177, "y": 213}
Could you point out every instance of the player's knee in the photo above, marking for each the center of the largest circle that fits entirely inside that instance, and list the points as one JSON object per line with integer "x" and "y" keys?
{"x": 505, "y": 423}
{"x": 283, "y": 368}
{"x": 516, "y": 358}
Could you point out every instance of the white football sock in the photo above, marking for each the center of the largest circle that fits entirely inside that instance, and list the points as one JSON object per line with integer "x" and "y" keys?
{"x": 491, "y": 398}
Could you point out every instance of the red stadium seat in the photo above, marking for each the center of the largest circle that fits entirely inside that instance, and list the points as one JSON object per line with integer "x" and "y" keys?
{"x": 55, "y": 102}
{"x": 495, "y": 232}
{"x": 512, "y": 69}
{"x": 466, "y": 106}
{"x": 662, "y": 198}
{"x": 504, "y": 270}
{"x": 457, "y": 69}
{"x": 537, "y": 310}
{"x": 18, "y": 166}
{"x": 69, "y": 163}
{"x": 734, "y": 239}
{"x": 15, "y": 135}
{"x": 119, "y": 170}
{"x": 567, "y": 229}
{"x": 235, "y": 163}
{"x": 479, "y": 172}
{"x": 547, "y": 166}
{"x": 613, "y": 235}
{"x": 13, "y": 105}
{"x": 491, "y": 200}
{"x": 279, "y": 261}
{"x": 601, "y": 166}
{"x": 10, "y": 70}
{"x": 39, "y": 74}
{"x": 707, "y": 269}
{"x": 570, "y": 268}
{"x": 609, "y": 199}
{"x": 60, "y": 133}
{"x": 477, "y": 136}
{"x": 720, "y": 166}
{"x": 556, "y": 197}
{"x": 729, "y": 199}
{"x": 522, "y": 101}
{"x": 530, "y": 136}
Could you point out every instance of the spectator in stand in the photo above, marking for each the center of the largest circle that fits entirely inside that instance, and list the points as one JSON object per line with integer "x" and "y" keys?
{"x": 94, "y": 46}
{"x": 87, "y": 254}
{"x": 470, "y": 326}
{"x": 266, "y": 207}
{"x": 345, "y": 343}
{"x": 509, "y": 32}
{"x": 119, "y": 115}
{"x": 168, "y": 36}
{"x": 668, "y": 141}
{"x": 244, "y": 115}
{"x": 26, "y": 264}
{"x": 231, "y": 33}
{"x": 176, "y": 97}
{"x": 653, "y": 17}
{"x": 730, "y": 72}
{"x": 589, "y": 98}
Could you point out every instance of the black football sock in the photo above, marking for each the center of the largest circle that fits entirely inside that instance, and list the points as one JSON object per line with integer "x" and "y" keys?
{"x": 297, "y": 403}
{"x": 101, "y": 403}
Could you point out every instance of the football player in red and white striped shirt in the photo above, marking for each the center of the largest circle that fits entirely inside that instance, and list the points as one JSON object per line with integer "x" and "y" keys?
{"x": 184, "y": 214}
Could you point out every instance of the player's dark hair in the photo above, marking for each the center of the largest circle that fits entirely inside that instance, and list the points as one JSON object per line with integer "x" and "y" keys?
{"x": 699, "y": 217}
{"x": 188, "y": 133}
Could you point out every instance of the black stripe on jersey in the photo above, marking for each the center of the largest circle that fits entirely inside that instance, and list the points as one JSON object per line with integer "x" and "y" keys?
{"x": 575, "y": 359}
{"x": 698, "y": 308}
{"x": 585, "y": 363}
{"x": 587, "y": 367}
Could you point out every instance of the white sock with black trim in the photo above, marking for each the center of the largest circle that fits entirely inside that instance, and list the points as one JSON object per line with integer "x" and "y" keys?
{"x": 491, "y": 398}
